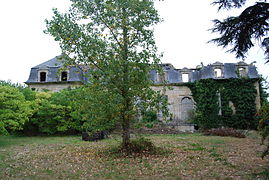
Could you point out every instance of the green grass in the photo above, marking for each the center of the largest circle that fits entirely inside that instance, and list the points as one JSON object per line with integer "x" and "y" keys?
{"x": 6, "y": 141}
{"x": 184, "y": 156}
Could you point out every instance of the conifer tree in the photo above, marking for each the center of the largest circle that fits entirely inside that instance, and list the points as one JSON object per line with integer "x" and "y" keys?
{"x": 241, "y": 32}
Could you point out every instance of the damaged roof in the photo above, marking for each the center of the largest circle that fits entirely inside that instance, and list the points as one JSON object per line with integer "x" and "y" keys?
{"x": 54, "y": 66}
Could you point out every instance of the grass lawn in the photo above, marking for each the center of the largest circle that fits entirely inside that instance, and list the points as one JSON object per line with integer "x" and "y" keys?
{"x": 188, "y": 156}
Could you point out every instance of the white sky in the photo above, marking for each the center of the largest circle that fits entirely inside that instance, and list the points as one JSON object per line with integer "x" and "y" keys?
{"x": 182, "y": 37}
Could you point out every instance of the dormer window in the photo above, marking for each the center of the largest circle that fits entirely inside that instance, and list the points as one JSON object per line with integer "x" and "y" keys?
{"x": 42, "y": 76}
{"x": 242, "y": 71}
{"x": 185, "y": 77}
{"x": 64, "y": 76}
{"x": 162, "y": 77}
{"x": 218, "y": 72}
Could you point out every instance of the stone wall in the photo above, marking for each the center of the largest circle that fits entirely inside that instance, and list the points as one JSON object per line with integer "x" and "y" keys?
{"x": 54, "y": 87}
{"x": 176, "y": 106}
{"x": 181, "y": 103}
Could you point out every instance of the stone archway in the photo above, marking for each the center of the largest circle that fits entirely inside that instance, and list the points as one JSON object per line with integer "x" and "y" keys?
{"x": 187, "y": 107}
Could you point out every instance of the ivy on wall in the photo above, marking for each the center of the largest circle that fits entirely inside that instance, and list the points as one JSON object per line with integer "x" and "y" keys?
{"x": 227, "y": 102}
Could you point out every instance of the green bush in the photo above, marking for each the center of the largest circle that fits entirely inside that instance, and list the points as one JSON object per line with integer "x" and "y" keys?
{"x": 95, "y": 108}
{"x": 49, "y": 117}
{"x": 14, "y": 109}
{"x": 263, "y": 127}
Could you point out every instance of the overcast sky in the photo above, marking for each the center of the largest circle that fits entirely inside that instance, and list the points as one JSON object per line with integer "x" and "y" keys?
{"x": 182, "y": 37}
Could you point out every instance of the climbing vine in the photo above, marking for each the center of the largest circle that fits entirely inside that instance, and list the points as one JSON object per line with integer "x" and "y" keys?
{"x": 227, "y": 102}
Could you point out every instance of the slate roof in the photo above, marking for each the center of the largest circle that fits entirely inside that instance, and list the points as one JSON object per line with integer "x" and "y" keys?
{"x": 229, "y": 70}
{"x": 173, "y": 75}
{"x": 53, "y": 67}
{"x": 54, "y": 62}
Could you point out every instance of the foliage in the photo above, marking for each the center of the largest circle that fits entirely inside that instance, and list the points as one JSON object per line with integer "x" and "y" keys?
{"x": 149, "y": 118}
{"x": 263, "y": 86}
{"x": 240, "y": 31}
{"x": 68, "y": 99}
{"x": 114, "y": 38}
{"x": 27, "y": 92}
{"x": 224, "y": 132}
{"x": 3, "y": 130}
{"x": 263, "y": 114}
{"x": 51, "y": 115}
{"x": 239, "y": 92}
{"x": 95, "y": 108}
{"x": 206, "y": 99}
{"x": 14, "y": 109}
{"x": 10, "y": 83}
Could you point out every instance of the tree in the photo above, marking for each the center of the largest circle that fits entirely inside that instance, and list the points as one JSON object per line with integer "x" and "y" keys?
{"x": 114, "y": 38}
{"x": 263, "y": 127}
{"x": 241, "y": 31}
{"x": 14, "y": 109}
{"x": 49, "y": 115}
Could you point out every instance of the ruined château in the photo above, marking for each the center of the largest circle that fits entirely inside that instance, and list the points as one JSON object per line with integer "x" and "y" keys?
{"x": 52, "y": 75}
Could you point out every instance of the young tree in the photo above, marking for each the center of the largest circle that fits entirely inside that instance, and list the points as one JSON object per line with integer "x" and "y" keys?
{"x": 239, "y": 32}
{"x": 115, "y": 39}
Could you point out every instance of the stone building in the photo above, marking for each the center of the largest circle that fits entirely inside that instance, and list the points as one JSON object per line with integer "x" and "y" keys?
{"x": 52, "y": 75}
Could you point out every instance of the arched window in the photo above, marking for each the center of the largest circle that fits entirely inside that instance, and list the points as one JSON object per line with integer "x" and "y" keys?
{"x": 217, "y": 72}
{"x": 64, "y": 76}
{"x": 43, "y": 77}
{"x": 187, "y": 107}
{"x": 185, "y": 77}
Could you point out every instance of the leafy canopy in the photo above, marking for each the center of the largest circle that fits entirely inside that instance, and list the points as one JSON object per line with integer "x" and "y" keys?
{"x": 114, "y": 41}
{"x": 241, "y": 31}
{"x": 14, "y": 109}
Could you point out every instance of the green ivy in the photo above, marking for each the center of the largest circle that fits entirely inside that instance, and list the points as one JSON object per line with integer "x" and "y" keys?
{"x": 208, "y": 93}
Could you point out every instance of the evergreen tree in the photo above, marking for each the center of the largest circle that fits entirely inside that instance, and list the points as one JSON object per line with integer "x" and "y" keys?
{"x": 240, "y": 31}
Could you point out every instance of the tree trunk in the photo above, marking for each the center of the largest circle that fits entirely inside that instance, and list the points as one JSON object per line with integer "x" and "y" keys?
{"x": 125, "y": 91}
{"x": 125, "y": 134}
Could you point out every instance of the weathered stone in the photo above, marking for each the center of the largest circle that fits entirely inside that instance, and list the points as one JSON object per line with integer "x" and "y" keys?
{"x": 181, "y": 102}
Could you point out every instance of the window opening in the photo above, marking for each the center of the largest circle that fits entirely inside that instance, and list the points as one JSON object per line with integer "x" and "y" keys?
{"x": 217, "y": 72}
{"x": 64, "y": 76}
{"x": 242, "y": 71}
{"x": 43, "y": 76}
{"x": 185, "y": 77}
{"x": 187, "y": 108}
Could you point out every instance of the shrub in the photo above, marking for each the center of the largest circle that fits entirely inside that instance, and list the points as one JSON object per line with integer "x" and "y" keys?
{"x": 263, "y": 127}
{"x": 14, "y": 109}
{"x": 224, "y": 132}
{"x": 49, "y": 118}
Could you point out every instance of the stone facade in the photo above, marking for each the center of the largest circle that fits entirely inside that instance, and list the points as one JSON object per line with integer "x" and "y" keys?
{"x": 181, "y": 103}
{"x": 52, "y": 76}
{"x": 55, "y": 87}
